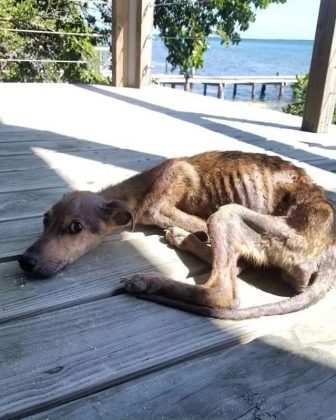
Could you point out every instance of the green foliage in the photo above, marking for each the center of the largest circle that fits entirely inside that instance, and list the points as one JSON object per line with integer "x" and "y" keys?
{"x": 185, "y": 25}
{"x": 47, "y": 15}
{"x": 299, "y": 94}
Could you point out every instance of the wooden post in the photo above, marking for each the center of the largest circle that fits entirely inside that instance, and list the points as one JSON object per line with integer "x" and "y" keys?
{"x": 205, "y": 89}
{"x": 119, "y": 41}
{"x": 320, "y": 100}
{"x": 132, "y": 22}
{"x": 220, "y": 92}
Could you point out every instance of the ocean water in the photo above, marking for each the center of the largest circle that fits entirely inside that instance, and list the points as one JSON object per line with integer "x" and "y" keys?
{"x": 251, "y": 57}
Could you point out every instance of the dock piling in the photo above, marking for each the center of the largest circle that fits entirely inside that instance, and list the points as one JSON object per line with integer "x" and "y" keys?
{"x": 281, "y": 89}
{"x": 220, "y": 93}
{"x": 263, "y": 91}
{"x": 253, "y": 91}
{"x": 235, "y": 90}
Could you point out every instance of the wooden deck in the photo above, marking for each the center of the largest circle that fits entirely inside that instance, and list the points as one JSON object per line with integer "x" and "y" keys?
{"x": 68, "y": 350}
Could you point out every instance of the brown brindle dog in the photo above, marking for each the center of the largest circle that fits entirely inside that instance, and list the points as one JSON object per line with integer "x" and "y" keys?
{"x": 251, "y": 206}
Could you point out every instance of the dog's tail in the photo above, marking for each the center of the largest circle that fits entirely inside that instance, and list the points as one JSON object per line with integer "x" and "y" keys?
{"x": 323, "y": 282}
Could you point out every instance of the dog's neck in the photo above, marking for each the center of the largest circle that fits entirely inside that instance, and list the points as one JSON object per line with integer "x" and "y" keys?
{"x": 131, "y": 191}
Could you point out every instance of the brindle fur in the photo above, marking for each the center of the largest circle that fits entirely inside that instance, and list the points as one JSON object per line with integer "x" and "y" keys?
{"x": 251, "y": 206}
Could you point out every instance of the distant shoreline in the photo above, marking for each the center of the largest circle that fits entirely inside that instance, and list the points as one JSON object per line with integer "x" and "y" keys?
{"x": 214, "y": 36}
{"x": 277, "y": 39}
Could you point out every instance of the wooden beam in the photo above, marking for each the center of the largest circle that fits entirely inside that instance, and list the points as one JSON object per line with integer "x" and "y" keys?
{"x": 320, "y": 101}
{"x": 132, "y": 23}
{"x": 144, "y": 38}
{"x": 119, "y": 40}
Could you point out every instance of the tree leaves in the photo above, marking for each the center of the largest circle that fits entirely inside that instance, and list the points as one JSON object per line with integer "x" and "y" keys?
{"x": 47, "y": 15}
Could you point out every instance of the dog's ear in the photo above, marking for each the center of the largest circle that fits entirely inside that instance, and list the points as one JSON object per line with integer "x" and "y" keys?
{"x": 119, "y": 213}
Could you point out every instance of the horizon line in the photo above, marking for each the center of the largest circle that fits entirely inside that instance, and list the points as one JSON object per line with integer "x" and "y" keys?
{"x": 279, "y": 39}
{"x": 257, "y": 39}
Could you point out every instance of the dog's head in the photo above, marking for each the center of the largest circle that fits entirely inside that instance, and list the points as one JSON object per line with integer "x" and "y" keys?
{"x": 72, "y": 227}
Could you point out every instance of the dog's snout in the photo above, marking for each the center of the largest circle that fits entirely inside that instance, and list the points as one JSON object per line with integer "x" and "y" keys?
{"x": 28, "y": 262}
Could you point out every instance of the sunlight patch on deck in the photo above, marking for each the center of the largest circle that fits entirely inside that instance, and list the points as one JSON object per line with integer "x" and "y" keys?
{"x": 156, "y": 250}
{"x": 82, "y": 173}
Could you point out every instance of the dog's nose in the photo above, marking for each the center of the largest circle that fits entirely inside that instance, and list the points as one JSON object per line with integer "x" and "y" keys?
{"x": 27, "y": 262}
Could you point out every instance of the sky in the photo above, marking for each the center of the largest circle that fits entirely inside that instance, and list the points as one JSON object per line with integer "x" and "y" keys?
{"x": 296, "y": 19}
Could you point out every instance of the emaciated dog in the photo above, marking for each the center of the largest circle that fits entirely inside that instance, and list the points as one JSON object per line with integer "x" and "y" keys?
{"x": 254, "y": 207}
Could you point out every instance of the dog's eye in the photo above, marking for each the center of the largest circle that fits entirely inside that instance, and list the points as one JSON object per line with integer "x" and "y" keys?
{"x": 75, "y": 227}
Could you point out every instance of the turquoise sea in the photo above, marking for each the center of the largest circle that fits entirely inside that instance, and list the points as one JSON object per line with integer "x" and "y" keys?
{"x": 250, "y": 57}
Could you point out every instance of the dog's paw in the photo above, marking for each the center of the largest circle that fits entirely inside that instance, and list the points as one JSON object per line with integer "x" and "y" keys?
{"x": 142, "y": 283}
{"x": 176, "y": 236}
{"x": 134, "y": 284}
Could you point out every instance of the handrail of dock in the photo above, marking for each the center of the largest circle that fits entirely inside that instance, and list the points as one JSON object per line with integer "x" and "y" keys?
{"x": 222, "y": 81}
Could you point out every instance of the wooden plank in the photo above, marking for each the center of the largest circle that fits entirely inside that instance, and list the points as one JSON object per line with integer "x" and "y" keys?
{"x": 9, "y": 134}
{"x": 92, "y": 277}
{"x": 264, "y": 379}
{"x": 68, "y": 176}
{"x": 113, "y": 156}
{"x": 57, "y": 357}
{"x": 26, "y": 204}
{"x": 60, "y": 145}
{"x": 40, "y": 178}
{"x": 73, "y": 171}
{"x": 17, "y": 236}
{"x": 11, "y": 129}
{"x": 320, "y": 100}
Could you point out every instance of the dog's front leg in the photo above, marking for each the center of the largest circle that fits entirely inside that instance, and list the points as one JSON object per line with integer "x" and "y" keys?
{"x": 197, "y": 244}
{"x": 166, "y": 215}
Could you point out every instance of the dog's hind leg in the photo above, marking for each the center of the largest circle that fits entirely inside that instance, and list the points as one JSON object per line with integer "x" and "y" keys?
{"x": 234, "y": 232}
